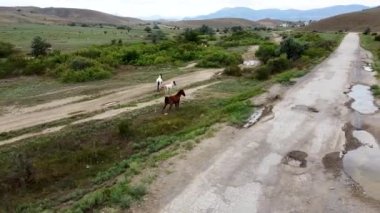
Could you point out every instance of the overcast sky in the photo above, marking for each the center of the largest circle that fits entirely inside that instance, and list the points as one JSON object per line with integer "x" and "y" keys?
{"x": 180, "y": 8}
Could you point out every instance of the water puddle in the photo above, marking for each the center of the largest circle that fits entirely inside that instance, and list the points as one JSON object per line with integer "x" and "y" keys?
{"x": 368, "y": 68}
{"x": 296, "y": 159}
{"x": 363, "y": 99}
{"x": 255, "y": 117}
{"x": 363, "y": 163}
{"x": 251, "y": 63}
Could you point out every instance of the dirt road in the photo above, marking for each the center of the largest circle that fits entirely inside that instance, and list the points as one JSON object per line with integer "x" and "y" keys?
{"x": 32, "y": 117}
{"x": 276, "y": 165}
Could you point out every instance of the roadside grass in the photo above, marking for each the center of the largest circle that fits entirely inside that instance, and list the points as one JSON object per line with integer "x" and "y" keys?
{"x": 87, "y": 155}
{"x": 288, "y": 76}
{"x": 368, "y": 42}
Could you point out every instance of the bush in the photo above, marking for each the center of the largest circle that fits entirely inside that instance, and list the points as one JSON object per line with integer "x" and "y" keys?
{"x": 6, "y": 49}
{"x": 125, "y": 128}
{"x": 220, "y": 59}
{"x": 35, "y": 67}
{"x": 377, "y": 38}
{"x": 315, "y": 52}
{"x": 278, "y": 65}
{"x": 375, "y": 90}
{"x": 90, "y": 53}
{"x": 88, "y": 74}
{"x": 232, "y": 71}
{"x": 266, "y": 52}
{"x": 262, "y": 73}
{"x": 80, "y": 63}
{"x": 367, "y": 31}
{"x": 292, "y": 48}
{"x": 130, "y": 56}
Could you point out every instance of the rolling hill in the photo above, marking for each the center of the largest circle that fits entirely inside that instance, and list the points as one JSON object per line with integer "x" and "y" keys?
{"x": 357, "y": 21}
{"x": 216, "y": 23}
{"x": 52, "y": 15}
{"x": 288, "y": 15}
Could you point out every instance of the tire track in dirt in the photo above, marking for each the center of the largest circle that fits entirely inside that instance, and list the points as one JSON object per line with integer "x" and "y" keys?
{"x": 105, "y": 115}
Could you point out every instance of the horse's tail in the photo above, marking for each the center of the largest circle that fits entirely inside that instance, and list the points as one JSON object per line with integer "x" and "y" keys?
{"x": 166, "y": 100}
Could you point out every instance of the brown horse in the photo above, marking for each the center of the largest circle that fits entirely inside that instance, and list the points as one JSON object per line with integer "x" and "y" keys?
{"x": 173, "y": 99}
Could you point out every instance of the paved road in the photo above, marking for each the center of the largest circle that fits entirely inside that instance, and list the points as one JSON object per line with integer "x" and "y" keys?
{"x": 244, "y": 170}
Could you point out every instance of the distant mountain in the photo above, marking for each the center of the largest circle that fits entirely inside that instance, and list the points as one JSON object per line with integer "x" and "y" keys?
{"x": 357, "y": 21}
{"x": 61, "y": 16}
{"x": 288, "y": 15}
{"x": 216, "y": 23}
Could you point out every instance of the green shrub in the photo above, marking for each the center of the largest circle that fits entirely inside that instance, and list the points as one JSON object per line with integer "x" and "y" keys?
{"x": 262, "y": 73}
{"x": 292, "y": 48}
{"x": 80, "y": 63}
{"x": 6, "y": 49}
{"x": 277, "y": 65}
{"x": 375, "y": 90}
{"x": 130, "y": 56}
{"x": 125, "y": 128}
{"x": 367, "y": 31}
{"x": 232, "y": 71}
{"x": 88, "y": 74}
{"x": 315, "y": 52}
{"x": 35, "y": 67}
{"x": 219, "y": 59}
{"x": 90, "y": 53}
{"x": 377, "y": 38}
{"x": 266, "y": 52}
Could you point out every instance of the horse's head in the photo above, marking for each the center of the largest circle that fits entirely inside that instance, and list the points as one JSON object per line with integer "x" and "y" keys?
{"x": 182, "y": 92}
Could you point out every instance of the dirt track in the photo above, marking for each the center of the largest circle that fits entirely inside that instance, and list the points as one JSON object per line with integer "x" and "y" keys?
{"x": 36, "y": 115}
{"x": 250, "y": 170}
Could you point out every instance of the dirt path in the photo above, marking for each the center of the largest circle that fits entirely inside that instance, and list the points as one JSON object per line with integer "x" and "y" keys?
{"x": 276, "y": 165}
{"x": 28, "y": 118}
{"x": 105, "y": 115}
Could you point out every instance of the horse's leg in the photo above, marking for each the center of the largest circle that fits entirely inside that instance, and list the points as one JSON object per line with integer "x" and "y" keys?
{"x": 170, "y": 107}
{"x": 177, "y": 105}
{"x": 164, "y": 107}
{"x": 158, "y": 86}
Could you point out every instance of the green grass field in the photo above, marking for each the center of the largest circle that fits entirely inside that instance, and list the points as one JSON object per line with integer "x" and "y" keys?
{"x": 66, "y": 38}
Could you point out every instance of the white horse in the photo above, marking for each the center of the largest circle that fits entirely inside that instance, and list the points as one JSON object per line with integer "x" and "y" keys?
{"x": 169, "y": 87}
{"x": 159, "y": 82}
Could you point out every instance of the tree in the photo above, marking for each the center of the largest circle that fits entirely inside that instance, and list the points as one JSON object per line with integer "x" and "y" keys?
{"x": 292, "y": 48}
{"x": 156, "y": 36}
{"x": 236, "y": 29}
{"x": 148, "y": 29}
{"x": 39, "y": 46}
{"x": 206, "y": 30}
{"x": 191, "y": 35}
{"x": 367, "y": 31}
{"x": 156, "y": 27}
